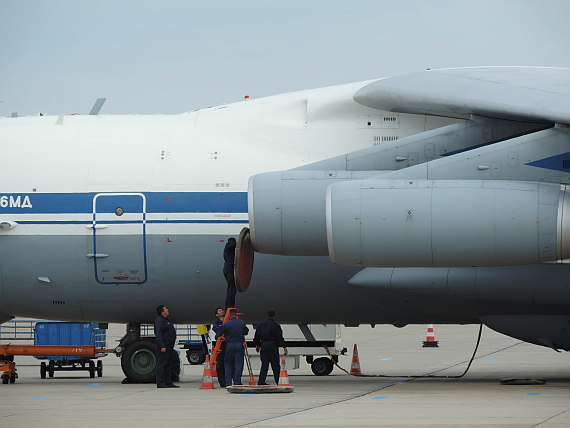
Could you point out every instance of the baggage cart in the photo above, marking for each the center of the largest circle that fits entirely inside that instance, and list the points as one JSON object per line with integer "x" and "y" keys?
{"x": 57, "y": 333}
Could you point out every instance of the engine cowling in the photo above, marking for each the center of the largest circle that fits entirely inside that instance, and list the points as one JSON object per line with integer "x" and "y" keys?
{"x": 287, "y": 210}
{"x": 380, "y": 223}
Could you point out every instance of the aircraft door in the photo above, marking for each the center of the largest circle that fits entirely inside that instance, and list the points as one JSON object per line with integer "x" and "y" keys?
{"x": 119, "y": 238}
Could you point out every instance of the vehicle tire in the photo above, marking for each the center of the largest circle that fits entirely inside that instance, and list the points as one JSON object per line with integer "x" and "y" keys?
{"x": 91, "y": 369}
{"x": 100, "y": 368}
{"x": 5, "y": 379}
{"x": 51, "y": 368}
{"x": 43, "y": 369}
{"x": 322, "y": 366}
{"x": 13, "y": 378}
{"x": 195, "y": 357}
{"x": 139, "y": 361}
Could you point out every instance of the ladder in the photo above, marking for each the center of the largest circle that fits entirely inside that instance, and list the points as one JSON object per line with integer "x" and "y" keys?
{"x": 218, "y": 346}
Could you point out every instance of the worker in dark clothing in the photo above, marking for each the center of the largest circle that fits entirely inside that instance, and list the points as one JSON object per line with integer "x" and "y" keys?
{"x": 234, "y": 331}
{"x": 165, "y": 339}
{"x": 268, "y": 338}
{"x": 220, "y": 370}
{"x": 229, "y": 260}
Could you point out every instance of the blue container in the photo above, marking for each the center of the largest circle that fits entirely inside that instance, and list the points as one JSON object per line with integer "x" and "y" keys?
{"x": 57, "y": 333}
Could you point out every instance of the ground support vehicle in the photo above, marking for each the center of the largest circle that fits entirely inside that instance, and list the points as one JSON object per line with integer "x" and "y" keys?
{"x": 56, "y": 333}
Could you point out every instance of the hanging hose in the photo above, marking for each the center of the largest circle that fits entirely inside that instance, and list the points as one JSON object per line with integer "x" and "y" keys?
{"x": 418, "y": 376}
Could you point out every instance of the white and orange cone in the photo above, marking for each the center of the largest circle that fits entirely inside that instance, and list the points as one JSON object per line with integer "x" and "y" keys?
{"x": 283, "y": 376}
{"x": 430, "y": 341}
{"x": 207, "y": 382}
{"x": 355, "y": 365}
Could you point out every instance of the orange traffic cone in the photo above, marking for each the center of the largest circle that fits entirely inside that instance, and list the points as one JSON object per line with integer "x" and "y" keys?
{"x": 283, "y": 376}
{"x": 207, "y": 382}
{"x": 355, "y": 365}
{"x": 430, "y": 341}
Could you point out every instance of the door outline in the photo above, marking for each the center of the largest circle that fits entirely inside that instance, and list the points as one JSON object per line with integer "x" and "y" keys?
{"x": 143, "y": 223}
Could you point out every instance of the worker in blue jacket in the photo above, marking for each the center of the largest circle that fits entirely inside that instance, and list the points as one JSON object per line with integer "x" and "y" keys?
{"x": 268, "y": 339}
{"x": 216, "y": 325}
{"x": 165, "y": 334}
{"x": 234, "y": 331}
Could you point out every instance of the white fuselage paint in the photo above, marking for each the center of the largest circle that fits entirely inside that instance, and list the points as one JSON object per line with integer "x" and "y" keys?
{"x": 53, "y": 171}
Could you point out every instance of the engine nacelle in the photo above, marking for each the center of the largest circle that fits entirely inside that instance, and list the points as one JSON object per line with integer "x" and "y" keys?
{"x": 287, "y": 210}
{"x": 416, "y": 223}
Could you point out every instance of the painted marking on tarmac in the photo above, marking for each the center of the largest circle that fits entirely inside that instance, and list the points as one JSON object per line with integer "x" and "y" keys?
{"x": 379, "y": 397}
{"x": 93, "y": 384}
{"x": 490, "y": 359}
{"x": 533, "y": 394}
{"x": 386, "y": 359}
{"x": 40, "y": 398}
{"x": 248, "y": 395}
{"x": 402, "y": 382}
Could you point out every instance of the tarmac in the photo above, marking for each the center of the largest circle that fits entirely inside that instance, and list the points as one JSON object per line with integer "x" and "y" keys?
{"x": 72, "y": 399}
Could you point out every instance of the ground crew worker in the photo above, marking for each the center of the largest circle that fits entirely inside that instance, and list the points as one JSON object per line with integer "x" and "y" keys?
{"x": 220, "y": 370}
{"x": 229, "y": 260}
{"x": 268, "y": 338}
{"x": 165, "y": 334}
{"x": 234, "y": 331}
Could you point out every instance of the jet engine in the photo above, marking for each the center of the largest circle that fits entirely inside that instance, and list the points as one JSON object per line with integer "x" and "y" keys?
{"x": 287, "y": 210}
{"x": 379, "y": 222}
{"x": 447, "y": 223}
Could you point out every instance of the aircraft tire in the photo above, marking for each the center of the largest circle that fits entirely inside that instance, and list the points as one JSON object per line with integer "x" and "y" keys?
{"x": 322, "y": 366}
{"x": 139, "y": 361}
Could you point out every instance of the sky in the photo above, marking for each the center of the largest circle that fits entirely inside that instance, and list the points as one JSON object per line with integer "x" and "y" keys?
{"x": 172, "y": 56}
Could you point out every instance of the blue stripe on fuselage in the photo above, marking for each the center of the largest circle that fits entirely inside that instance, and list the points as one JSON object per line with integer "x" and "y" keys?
{"x": 156, "y": 202}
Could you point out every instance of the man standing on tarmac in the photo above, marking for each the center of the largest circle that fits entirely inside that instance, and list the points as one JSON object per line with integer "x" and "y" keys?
{"x": 229, "y": 260}
{"x": 268, "y": 338}
{"x": 234, "y": 331}
{"x": 220, "y": 370}
{"x": 165, "y": 339}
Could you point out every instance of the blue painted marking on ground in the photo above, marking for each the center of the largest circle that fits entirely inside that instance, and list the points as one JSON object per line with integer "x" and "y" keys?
{"x": 532, "y": 394}
{"x": 248, "y": 395}
{"x": 379, "y": 397}
{"x": 490, "y": 359}
{"x": 39, "y": 398}
{"x": 93, "y": 384}
{"x": 402, "y": 382}
{"x": 386, "y": 359}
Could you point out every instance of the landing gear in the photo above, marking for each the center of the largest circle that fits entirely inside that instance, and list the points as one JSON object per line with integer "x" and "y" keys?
{"x": 322, "y": 366}
{"x": 139, "y": 361}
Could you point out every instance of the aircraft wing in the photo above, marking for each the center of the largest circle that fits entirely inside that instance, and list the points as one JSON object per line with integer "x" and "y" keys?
{"x": 486, "y": 199}
{"x": 535, "y": 94}
{"x": 468, "y": 194}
